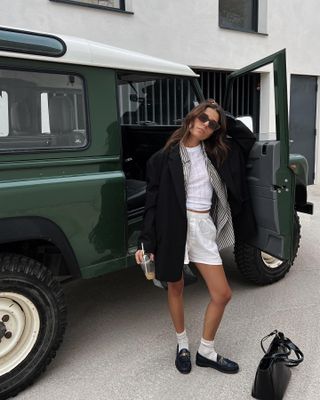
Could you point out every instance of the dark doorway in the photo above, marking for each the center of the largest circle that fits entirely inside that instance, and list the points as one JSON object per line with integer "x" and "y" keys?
{"x": 302, "y": 121}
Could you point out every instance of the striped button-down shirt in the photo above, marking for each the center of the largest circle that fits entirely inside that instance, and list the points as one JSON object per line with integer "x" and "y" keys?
{"x": 220, "y": 211}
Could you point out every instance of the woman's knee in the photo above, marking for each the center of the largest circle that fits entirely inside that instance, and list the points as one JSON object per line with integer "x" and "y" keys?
{"x": 223, "y": 297}
{"x": 176, "y": 288}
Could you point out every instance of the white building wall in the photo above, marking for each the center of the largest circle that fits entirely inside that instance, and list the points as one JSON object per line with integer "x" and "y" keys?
{"x": 187, "y": 31}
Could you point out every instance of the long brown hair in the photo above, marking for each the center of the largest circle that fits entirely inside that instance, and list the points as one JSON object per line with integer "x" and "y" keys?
{"x": 216, "y": 144}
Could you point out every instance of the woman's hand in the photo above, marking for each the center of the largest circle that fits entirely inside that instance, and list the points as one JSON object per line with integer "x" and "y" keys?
{"x": 139, "y": 256}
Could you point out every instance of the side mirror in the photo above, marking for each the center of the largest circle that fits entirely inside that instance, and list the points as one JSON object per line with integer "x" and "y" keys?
{"x": 247, "y": 121}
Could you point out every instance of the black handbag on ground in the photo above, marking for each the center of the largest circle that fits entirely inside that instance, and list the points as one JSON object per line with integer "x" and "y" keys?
{"x": 273, "y": 373}
{"x": 188, "y": 276}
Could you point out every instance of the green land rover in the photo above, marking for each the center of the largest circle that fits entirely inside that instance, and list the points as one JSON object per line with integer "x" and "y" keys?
{"x": 78, "y": 121}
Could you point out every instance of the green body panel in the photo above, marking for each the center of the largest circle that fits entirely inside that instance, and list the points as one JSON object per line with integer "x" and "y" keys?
{"x": 82, "y": 191}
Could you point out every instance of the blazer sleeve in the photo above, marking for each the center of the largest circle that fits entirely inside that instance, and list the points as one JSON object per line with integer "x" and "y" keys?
{"x": 240, "y": 134}
{"x": 148, "y": 232}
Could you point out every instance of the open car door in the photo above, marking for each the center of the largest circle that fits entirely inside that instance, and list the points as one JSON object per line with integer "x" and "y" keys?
{"x": 269, "y": 256}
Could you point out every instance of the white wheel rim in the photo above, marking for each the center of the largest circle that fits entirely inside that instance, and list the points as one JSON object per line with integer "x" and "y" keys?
{"x": 270, "y": 261}
{"x": 20, "y": 318}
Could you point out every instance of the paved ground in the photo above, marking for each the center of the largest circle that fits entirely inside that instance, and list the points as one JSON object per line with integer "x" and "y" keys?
{"x": 120, "y": 344}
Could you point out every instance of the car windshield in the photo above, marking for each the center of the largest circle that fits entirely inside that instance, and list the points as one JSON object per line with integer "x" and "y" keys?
{"x": 154, "y": 100}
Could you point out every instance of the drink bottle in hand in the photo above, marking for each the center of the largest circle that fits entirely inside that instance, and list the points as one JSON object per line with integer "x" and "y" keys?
{"x": 147, "y": 265}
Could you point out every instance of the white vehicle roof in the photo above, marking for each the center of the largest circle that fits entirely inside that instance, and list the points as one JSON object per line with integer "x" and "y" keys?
{"x": 86, "y": 52}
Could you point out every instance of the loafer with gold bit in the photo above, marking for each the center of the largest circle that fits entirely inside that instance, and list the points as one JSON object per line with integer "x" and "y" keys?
{"x": 222, "y": 364}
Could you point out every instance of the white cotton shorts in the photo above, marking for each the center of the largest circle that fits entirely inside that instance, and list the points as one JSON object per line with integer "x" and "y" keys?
{"x": 201, "y": 243}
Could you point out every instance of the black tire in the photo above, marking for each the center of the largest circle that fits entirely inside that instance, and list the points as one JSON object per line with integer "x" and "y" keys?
{"x": 24, "y": 279}
{"x": 251, "y": 263}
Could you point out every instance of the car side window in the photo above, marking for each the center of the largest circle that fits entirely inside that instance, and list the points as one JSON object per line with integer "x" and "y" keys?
{"x": 41, "y": 111}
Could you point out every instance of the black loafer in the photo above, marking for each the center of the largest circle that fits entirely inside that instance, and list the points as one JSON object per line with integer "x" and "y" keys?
{"x": 183, "y": 361}
{"x": 222, "y": 364}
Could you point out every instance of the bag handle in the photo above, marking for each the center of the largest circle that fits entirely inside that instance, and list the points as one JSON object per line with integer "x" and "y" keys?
{"x": 300, "y": 357}
{"x": 288, "y": 345}
{"x": 280, "y": 356}
{"x": 275, "y": 332}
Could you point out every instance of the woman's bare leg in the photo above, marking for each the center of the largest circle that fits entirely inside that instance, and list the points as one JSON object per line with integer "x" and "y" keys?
{"x": 220, "y": 294}
{"x": 175, "y": 301}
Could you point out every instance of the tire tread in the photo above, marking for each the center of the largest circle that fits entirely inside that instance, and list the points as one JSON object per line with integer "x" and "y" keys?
{"x": 246, "y": 258}
{"x": 18, "y": 264}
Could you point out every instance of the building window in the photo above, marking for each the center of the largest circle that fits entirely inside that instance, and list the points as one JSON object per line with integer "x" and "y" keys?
{"x": 116, "y": 5}
{"x": 104, "y": 3}
{"x": 239, "y": 15}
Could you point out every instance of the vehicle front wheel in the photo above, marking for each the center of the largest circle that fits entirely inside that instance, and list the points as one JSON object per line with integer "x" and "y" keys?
{"x": 32, "y": 321}
{"x": 262, "y": 268}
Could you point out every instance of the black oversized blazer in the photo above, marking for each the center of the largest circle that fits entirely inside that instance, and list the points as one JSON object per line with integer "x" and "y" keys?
{"x": 164, "y": 228}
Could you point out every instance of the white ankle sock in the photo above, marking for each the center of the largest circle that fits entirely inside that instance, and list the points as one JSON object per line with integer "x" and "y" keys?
{"x": 183, "y": 340}
{"x": 206, "y": 349}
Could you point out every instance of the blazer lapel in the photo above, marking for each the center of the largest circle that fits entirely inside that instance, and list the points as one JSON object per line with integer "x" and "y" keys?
{"x": 176, "y": 170}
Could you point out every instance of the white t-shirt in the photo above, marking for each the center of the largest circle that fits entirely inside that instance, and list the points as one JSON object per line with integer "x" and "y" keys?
{"x": 199, "y": 190}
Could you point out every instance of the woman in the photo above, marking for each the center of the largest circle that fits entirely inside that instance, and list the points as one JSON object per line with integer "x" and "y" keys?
{"x": 197, "y": 202}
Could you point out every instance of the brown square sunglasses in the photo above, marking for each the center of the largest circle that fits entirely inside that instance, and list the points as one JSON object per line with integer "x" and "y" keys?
{"x": 214, "y": 125}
